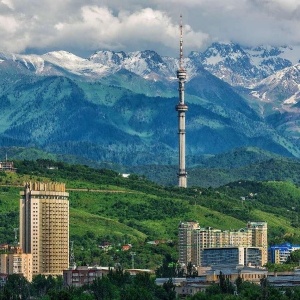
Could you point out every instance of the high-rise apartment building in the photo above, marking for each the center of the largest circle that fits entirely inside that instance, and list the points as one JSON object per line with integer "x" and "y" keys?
{"x": 192, "y": 240}
{"x": 44, "y": 226}
{"x": 259, "y": 232}
{"x": 186, "y": 241}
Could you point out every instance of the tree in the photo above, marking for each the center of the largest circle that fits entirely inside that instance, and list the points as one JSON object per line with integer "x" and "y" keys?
{"x": 189, "y": 269}
{"x": 264, "y": 288}
{"x": 119, "y": 277}
{"x": 294, "y": 257}
{"x": 41, "y": 284}
{"x": 103, "y": 289}
{"x": 213, "y": 289}
{"x": 168, "y": 268}
{"x": 132, "y": 292}
{"x": 169, "y": 287}
{"x": 238, "y": 283}
{"x": 16, "y": 287}
{"x": 225, "y": 285}
{"x": 249, "y": 291}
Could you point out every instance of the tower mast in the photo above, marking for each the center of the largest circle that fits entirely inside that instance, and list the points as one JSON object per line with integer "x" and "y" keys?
{"x": 181, "y": 108}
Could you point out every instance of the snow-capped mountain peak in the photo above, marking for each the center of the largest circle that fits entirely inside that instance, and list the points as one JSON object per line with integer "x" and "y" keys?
{"x": 245, "y": 66}
{"x": 281, "y": 88}
{"x": 237, "y": 65}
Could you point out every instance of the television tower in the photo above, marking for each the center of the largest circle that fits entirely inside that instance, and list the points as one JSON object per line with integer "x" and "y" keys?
{"x": 181, "y": 107}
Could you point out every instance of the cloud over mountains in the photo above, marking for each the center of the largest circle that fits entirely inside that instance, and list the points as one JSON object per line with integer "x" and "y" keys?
{"x": 84, "y": 26}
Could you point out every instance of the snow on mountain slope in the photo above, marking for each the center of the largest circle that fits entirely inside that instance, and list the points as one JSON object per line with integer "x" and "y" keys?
{"x": 147, "y": 64}
{"x": 75, "y": 64}
{"x": 281, "y": 88}
{"x": 245, "y": 66}
{"x": 237, "y": 65}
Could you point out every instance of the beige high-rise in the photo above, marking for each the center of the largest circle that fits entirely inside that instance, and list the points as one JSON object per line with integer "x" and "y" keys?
{"x": 186, "y": 243}
{"x": 44, "y": 226}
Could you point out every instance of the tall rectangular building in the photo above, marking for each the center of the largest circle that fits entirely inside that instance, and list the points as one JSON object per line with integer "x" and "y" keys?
{"x": 186, "y": 242}
{"x": 259, "y": 233}
{"x": 44, "y": 226}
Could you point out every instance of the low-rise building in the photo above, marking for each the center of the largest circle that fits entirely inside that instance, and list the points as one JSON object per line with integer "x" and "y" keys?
{"x": 16, "y": 262}
{"x": 279, "y": 254}
{"x": 83, "y": 275}
{"x": 250, "y": 274}
{"x": 7, "y": 166}
{"x": 190, "y": 286}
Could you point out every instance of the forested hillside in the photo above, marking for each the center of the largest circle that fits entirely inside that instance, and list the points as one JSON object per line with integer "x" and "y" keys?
{"x": 107, "y": 209}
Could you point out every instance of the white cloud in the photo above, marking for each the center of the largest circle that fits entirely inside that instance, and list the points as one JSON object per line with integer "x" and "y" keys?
{"x": 82, "y": 26}
{"x": 93, "y": 27}
{"x": 8, "y": 3}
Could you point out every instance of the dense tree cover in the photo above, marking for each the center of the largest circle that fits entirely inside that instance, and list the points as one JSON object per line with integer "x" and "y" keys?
{"x": 117, "y": 285}
{"x": 274, "y": 193}
{"x": 217, "y": 170}
{"x": 244, "y": 290}
{"x": 247, "y": 163}
{"x": 294, "y": 257}
{"x": 87, "y": 252}
{"x": 66, "y": 172}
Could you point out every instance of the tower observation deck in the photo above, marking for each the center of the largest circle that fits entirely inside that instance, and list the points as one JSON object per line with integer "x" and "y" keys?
{"x": 181, "y": 108}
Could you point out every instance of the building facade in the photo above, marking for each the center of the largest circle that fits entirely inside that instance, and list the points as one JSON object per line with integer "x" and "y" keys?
{"x": 16, "y": 262}
{"x": 246, "y": 256}
{"x": 83, "y": 275}
{"x": 186, "y": 241}
{"x": 195, "y": 241}
{"x": 279, "y": 254}
{"x": 44, "y": 226}
{"x": 7, "y": 166}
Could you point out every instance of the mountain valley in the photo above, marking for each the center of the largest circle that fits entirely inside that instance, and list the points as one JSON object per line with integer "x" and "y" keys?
{"x": 120, "y": 107}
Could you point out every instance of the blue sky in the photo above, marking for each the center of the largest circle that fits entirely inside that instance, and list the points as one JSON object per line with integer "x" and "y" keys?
{"x": 84, "y": 26}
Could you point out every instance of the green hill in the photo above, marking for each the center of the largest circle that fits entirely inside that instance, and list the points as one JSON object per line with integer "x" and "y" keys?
{"x": 216, "y": 170}
{"x": 107, "y": 208}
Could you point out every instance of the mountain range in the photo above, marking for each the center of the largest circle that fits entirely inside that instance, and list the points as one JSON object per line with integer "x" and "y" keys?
{"x": 120, "y": 107}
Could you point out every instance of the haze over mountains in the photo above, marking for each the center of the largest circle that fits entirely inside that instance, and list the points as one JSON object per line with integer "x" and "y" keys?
{"x": 120, "y": 107}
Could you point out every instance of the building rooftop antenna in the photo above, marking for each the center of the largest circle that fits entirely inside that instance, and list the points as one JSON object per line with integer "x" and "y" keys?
{"x": 72, "y": 256}
{"x": 133, "y": 254}
{"x": 16, "y": 236}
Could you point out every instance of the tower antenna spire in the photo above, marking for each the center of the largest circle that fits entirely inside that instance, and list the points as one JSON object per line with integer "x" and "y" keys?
{"x": 181, "y": 108}
{"x": 181, "y": 45}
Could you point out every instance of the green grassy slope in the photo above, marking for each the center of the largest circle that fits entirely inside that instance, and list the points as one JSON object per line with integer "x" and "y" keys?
{"x": 104, "y": 207}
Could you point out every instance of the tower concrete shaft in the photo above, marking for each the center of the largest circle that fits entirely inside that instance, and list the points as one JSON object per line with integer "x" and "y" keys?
{"x": 181, "y": 108}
